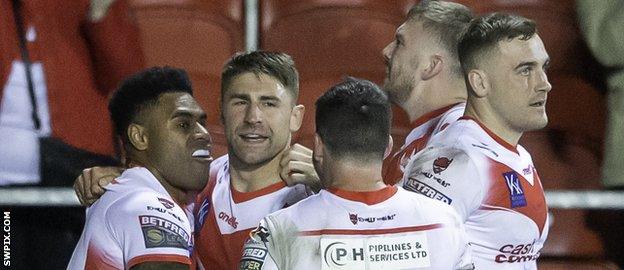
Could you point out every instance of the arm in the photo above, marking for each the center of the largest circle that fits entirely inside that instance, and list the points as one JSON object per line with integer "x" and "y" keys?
{"x": 448, "y": 175}
{"x": 602, "y": 24}
{"x": 113, "y": 38}
{"x": 89, "y": 186}
{"x": 297, "y": 168}
{"x": 160, "y": 266}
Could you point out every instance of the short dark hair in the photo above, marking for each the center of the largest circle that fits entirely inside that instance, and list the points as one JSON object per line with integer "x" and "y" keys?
{"x": 445, "y": 21}
{"x": 484, "y": 33}
{"x": 353, "y": 119}
{"x": 142, "y": 90}
{"x": 275, "y": 64}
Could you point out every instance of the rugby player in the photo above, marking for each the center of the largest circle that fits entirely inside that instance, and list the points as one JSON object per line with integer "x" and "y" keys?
{"x": 424, "y": 77}
{"x": 357, "y": 222}
{"x": 139, "y": 223}
{"x": 262, "y": 173}
{"x": 476, "y": 164}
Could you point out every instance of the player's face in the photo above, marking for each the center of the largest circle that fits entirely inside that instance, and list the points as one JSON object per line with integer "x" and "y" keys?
{"x": 402, "y": 56}
{"x": 259, "y": 116}
{"x": 517, "y": 73}
{"x": 179, "y": 144}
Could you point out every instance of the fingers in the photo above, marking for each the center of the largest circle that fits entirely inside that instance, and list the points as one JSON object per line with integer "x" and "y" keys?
{"x": 79, "y": 186}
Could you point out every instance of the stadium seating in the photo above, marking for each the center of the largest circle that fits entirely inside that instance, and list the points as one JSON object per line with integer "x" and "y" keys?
{"x": 198, "y": 36}
{"x": 330, "y": 39}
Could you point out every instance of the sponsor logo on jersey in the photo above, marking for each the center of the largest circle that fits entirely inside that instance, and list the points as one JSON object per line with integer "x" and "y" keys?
{"x": 167, "y": 203}
{"x": 424, "y": 189}
{"x": 511, "y": 253}
{"x": 387, "y": 252}
{"x": 204, "y": 208}
{"x": 230, "y": 220}
{"x": 355, "y": 218}
{"x": 516, "y": 192}
{"x": 438, "y": 179}
{"x": 254, "y": 254}
{"x": 159, "y": 232}
{"x": 161, "y": 210}
{"x": 440, "y": 164}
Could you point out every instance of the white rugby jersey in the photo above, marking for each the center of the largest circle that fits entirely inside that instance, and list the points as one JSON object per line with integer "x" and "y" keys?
{"x": 493, "y": 186}
{"x": 224, "y": 216}
{"x": 337, "y": 229}
{"x": 423, "y": 128}
{"x": 135, "y": 221}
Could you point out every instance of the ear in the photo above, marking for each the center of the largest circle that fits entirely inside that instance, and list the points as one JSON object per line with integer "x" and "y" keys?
{"x": 137, "y": 137}
{"x": 296, "y": 117}
{"x": 435, "y": 66}
{"x": 389, "y": 147}
{"x": 478, "y": 82}
{"x": 319, "y": 148}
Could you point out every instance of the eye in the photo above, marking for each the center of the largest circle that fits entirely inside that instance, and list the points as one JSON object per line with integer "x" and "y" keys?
{"x": 526, "y": 71}
{"x": 184, "y": 125}
{"x": 270, "y": 104}
{"x": 239, "y": 102}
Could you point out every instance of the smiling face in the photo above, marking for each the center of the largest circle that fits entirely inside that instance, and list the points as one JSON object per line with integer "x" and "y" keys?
{"x": 179, "y": 144}
{"x": 516, "y": 72}
{"x": 259, "y": 116}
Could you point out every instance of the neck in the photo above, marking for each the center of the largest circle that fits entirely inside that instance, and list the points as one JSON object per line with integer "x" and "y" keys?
{"x": 434, "y": 94}
{"x": 486, "y": 116}
{"x": 180, "y": 196}
{"x": 356, "y": 176}
{"x": 249, "y": 178}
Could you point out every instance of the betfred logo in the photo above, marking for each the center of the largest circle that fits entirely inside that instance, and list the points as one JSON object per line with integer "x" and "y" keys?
{"x": 517, "y": 253}
{"x": 440, "y": 164}
{"x": 516, "y": 192}
{"x": 424, "y": 189}
{"x": 228, "y": 219}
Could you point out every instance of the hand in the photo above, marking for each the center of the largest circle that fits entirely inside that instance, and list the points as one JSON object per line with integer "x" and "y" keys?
{"x": 89, "y": 186}
{"x": 297, "y": 168}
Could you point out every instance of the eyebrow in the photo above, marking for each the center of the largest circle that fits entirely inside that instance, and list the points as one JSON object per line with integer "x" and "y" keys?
{"x": 531, "y": 64}
{"x": 246, "y": 97}
{"x": 188, "y": 114}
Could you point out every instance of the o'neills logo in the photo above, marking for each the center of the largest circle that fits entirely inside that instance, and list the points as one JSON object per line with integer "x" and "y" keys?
{"x": 440, "y": 164}
{"x": 517, "y": 253}
{"x": 228, "y": 219}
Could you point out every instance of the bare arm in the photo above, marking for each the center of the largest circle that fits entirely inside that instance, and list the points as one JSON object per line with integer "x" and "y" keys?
{"x": 297, "y": 167}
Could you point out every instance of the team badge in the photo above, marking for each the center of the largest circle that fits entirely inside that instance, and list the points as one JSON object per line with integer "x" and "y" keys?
{"x": 353, "y": 218}
{"x": 440, "y": 164}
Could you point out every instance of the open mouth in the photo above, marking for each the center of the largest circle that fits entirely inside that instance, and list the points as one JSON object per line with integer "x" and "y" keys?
{"x": 202, "y": 155}
{"x": 253, "y": 138}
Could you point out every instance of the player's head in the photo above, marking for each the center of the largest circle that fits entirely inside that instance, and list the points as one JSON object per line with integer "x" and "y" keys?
{"x": 424, "y": 46}
{"x": 162, "y": 127}
{"x": 259, "y": 92}
{"x": 505, "y": 63}
{"x": 352, "y": 124}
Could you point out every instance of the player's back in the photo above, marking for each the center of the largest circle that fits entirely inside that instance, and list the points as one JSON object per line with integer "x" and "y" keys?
{"x": 386, "y": 229}
{"x": 493, "y": 186}
{"x": 135, "y": 221}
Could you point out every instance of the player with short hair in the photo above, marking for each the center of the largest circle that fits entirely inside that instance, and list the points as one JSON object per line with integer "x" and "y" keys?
{"x": 424, "y": 75}
{"x": 476, "y": 164}
{"x": 139, "y": 223}
{"x": 357, "y": 222}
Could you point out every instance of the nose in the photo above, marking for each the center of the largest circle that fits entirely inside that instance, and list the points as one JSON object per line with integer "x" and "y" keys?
{"x": 387, "y": 52}
{"x": 253, "y": 115}
{"x": 201, "y": 133}
{"x": 543, "y": 84}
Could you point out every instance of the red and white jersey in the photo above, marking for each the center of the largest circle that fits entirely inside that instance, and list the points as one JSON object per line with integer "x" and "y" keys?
{"x": 224, "y": 216}
{"x": 492, "y": 185}
{"x": 337, "y": 229}
{"x": 135, "y": 221}
{"x": 423, "y": 128}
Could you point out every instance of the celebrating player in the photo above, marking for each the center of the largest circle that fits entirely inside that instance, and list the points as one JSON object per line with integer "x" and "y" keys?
{"x": 139, "y": 222}
{"x": 358, "y": 222}
{"x": 424, "y": 76}
{"x": 476, "y": 164}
